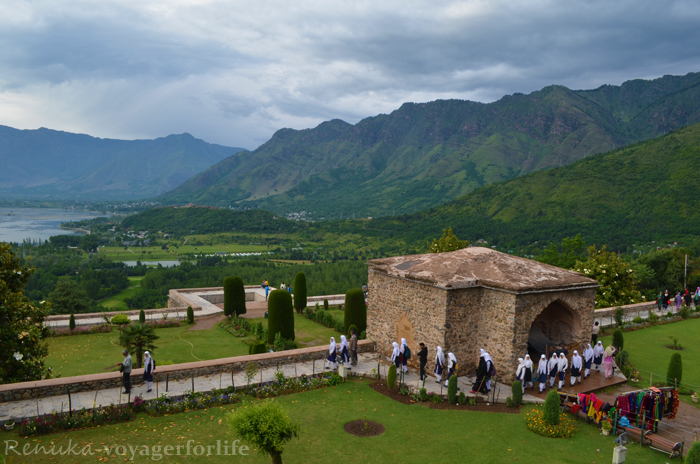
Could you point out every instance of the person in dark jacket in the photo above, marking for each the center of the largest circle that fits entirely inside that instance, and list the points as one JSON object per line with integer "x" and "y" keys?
{"x": 149, "y": 366}
{"x": 423, "y": 358}
{"x": 481, "y": 372}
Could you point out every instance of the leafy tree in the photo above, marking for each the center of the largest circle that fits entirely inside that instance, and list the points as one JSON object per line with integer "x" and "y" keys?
{"x": 615, "y": 276}
{"x": 565, "y": 255}
{"x": 266, "y": 426}
{"x": 299, "y": 292}
{"x": 674, "y": 374}
{"x": 280, "y": 316}
{"x": 89, "y": 243}
{"x": 355, "y": 310}
{"x": 22, "y": 331}
{"x": 551, "y": 408}
{"x": 693, "y": 456}
{"x": 448, "y": 242}
{"x": 69, "y": 298}
{"x": 138, "y": 338}
{"x": 234, "y": 296}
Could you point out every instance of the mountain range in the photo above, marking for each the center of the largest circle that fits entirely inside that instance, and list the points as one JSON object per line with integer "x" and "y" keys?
{"x": 426, "y": 154}
{"x": 62, "y": 165}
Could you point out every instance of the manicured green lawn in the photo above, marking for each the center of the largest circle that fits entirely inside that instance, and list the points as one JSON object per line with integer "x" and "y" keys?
{"x": 91, "y": 354}
{"x": 414, "y": 434}
{"x": 116, "y": 302}
{"x": 648, "y": 352}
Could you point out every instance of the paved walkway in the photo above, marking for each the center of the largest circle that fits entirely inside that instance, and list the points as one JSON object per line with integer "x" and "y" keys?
{"x": 367, "y": 366}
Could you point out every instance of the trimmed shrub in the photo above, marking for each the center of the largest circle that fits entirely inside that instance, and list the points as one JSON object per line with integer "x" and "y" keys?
{"x": 280, "y": 316}
{"x": 693, "y": 456}
{"x": 618, "y": 340}
{"x": 258, "y": 347}
{"x": 462, "y": 399}
{"x": 234, "y": 296}
{"x": 391, "y": 377}
{"x": 325, "y": 304}
{"x": 355, "y": 309}
{"x": 653, "y": 318}
{"x": 339, "y": 327}
{"x": 675, "y": 370}
{"x": 350, "y": 330}
{"x": 300, "y": 292}
{"x": 363, "y": 335}
{"x": 320, "y": 316}
{"x": 71, "y": 322}
{"x": 142, "y": 317}
{"x": 279, "y": 343}
{"x": 119, "y": 319}
{"x": 623, "y": 362}
{"x": 684, "y": 312}
{"x": 452, "y": 390}
{"x": 516, "y": 390}
{"x": 190, "y": 315}
{"x": 552, "y": 408}
{"x": 637, "y": 320}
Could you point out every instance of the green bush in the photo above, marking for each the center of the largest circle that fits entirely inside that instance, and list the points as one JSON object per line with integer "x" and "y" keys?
{"x": 325, "y": 304}
{"x": 329, "y": 320}
{"x": 693, "y": 456}
{"x": 290, "y": 344}
{"x": 452, "y": 390}
{"x": 71, "y": 322}
{"x": 462, "y": 399}
{"x": 637, "y": 320}
{"x": 234, "y": 296}
{"x": 190, "y": 315}
{"x": 300, "y": 292}
{"x": 355, "y": 309}
{"x": 618, "y": 340}
{"x": 619, "y": 316}
{"x": 280, "y": 315}
{"x": 653, "y": 318}
{"x": 517, "y": 391}
{"x": 339, "y": 327}
{"x": 423, "y": 394}
{"x": 684, "y": 312}
{"x": 675, "y": 370}
{"x": 320, "y": 316}
{"x": 391, "y": 377}
{"x": 142, "y": 317}
{"x": 350, "y": 331}
{"x": 309, "y": 313}
{"x": 119, "y": 319}
{"x": 279, "y": 343}
{"x": 363, "y": 335}
{"x": 258, "y": 347}
{"x": 552, "y": 408}
{"x": 623, "y": 362}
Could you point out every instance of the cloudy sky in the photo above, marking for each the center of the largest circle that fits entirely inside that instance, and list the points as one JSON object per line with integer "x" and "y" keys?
{"x": 234, "y": 72}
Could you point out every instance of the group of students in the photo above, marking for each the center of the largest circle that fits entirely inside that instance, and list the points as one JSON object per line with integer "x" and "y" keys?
{"x": 347, "y": 351}
{"x": 686, "y": 298}
{"x": 557, "y": 366}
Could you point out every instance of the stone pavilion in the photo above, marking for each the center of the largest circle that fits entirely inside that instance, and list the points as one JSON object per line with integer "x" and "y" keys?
{"x": 478, "y": 298}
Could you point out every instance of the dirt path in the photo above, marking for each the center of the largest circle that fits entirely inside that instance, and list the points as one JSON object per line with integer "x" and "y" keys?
{"x": 206, "y": 323}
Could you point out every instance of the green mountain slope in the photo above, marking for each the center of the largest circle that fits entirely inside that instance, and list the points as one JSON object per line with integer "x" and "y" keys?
{"x": 422, "y": 155}
{"x": 64, "y": 165}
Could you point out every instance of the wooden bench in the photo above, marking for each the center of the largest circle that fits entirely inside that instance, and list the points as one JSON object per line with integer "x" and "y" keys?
{"x": 567, "y": 407}
{"x": 634, "y": 433}
{"x": 672, "y": 448}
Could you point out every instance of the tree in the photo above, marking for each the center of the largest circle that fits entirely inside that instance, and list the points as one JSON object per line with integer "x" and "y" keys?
{"x": 69, "y": 298}
{"x": 138, "y": 338}
{"x": 300, "y": 292}
{"x": 89, "y": 243}
{"x": 190, "y": 315}
{"x": 391, "y": 377}
{"x": 355, "y": 310}
{"x": 452, "y": 390}
{"x": 22, "y": 330}
{"x": 552, "y": 408}
{"x": 693, "y": 456}
{"x": 280, "y": 315}
{"x": 618, "y": 340}
{"x": 266, "y": 426}
{"x": 674, "y": 374}
{"x": 571, "y": 251}
{"x": 71, "y": 322}
{"x": 516, "y": 391}
{"x": 234, "y": 296}
{"x": 618, "y": 282}
{"x": 142, "y": 317}
{"x": 448, "y": 242}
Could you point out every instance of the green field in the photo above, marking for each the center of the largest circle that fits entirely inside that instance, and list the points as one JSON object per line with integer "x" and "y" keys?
{"x": 155, "y": 253}
{"x": 116, "y": 302}
{"x": 92, "y": 354}
{"x": 414, "y": 434}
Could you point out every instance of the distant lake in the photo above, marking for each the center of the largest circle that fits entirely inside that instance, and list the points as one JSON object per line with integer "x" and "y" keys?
{"x": 17, "y": 224}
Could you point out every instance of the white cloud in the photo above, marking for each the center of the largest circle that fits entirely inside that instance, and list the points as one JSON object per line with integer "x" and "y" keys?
{"x": 234, "y": 72}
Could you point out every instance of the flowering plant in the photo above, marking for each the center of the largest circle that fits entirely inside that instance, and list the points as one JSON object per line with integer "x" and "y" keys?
{"x": 536, "y": 423}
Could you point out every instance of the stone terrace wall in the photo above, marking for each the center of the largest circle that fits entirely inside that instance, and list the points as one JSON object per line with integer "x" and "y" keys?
{"x": 605, "y": 315}
{"x": 52, "y": 387}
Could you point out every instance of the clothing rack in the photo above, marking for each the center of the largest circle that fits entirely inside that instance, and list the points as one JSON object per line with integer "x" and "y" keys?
{"x": 647, "y": 412}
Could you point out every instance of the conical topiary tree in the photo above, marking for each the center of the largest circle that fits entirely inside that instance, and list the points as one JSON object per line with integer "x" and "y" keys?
{"x": 674, "y": 374}
{"x": 452, "y": 390}
{"x": 280, "y": 316}
{"x": 552, "y": 408}
{"x": 355, "y": 309}
{"x": 142, "y": 317}
{"x": 71, "y": 322}
{"x": 234, "y": 296}
{"x": 693, "y": 456}
{"x": 618, "y": 340}
{"x": 516, "y": 390}
{"x": 299, "y": 289}
{"x": 391, "y": 377}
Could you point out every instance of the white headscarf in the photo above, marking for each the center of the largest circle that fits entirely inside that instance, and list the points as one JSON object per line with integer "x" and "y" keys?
{"x": 553, "y": 362}
{"x": 343, "y": 342}
{"x": 588, "y": 353}
{"x": 396, "y": 351}
{"x": 403, "y": 346}
{"x": 598, "y": 350}
{"x": 147, "y": 354}
{"x": 563, "y": 362}
{"x": 528, "y": 362}
{"x": 482, "y": 352}
{"x": 576, "y": 360}
{"x": 542, "y": 365}
{"x": 333, "y": 346}
{"x": 440, "y": 356}
{"x": 487, "y": 358}
{"x": 453, "y": 360}
{"x": 521, "y": 367}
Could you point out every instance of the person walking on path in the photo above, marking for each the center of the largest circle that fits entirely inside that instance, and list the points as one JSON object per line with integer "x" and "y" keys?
{"x": 481, "y": 372}
{"x": 678, "y": 299}
{"x": 353, "y": 347}
{"x": 553, "y": 367}
{"x": 422, "y": 359}
{"x": 697, "y": 298}
{"x": 267, "y": 290}
{"x": 528, "y": 372}
{"x": 608, "y": 362}
{"x": 563, "y": 365}
{"x": 595, "y": 331}
{"x": 520, "y": 373}
{"x": 332, "y": 353}
{"x": 439, "y": 364}
{"x": 659, "y": 301}
{"x": 344, "y": 353}
{"x": 665, "y": 300}
{"x": 687, "y": 298}
{"x": 576, "y": 364}
{"x": 451, "y": 367}
{"x": 396, "y": 356}
{"x": 405, "y": 354}
{"x": 489, "y": 369}
{"x": 542, "y": 372}
{"x": 598, "y": 355}
{"x": 125, "y": 369}
{"x": 149, "y": 366}
{"x": 587, "y": 360}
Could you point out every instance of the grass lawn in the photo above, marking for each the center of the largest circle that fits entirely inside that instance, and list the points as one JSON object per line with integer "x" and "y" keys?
{"x": 153, "y": 253}
{"x": 648, "y": 352}
{"x": 116, "y": 302}
{"x": 91, "y": 354}
{"x": 414, "y": 434}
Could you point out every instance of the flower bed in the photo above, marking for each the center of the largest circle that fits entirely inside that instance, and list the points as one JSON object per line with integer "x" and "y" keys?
{"x": 536, "y": 423}
{"x": 52, "y": 423}
{"x": 163, "y": 323}
{"x": 101, "y": 328}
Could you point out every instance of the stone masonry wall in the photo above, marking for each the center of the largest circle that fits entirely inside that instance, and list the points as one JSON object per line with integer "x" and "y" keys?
{"x": 52, "y": 387}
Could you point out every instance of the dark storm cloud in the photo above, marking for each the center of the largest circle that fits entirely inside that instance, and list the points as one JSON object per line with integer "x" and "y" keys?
{"x": 234, "y": 73}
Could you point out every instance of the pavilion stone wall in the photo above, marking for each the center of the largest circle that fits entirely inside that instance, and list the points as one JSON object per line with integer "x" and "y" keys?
{"x": 399, "y": 307}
